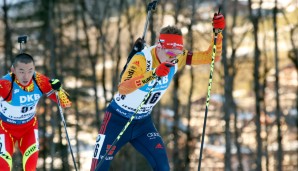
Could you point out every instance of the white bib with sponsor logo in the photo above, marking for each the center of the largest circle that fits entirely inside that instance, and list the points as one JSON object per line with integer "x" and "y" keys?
{"x": 127, "y": 105}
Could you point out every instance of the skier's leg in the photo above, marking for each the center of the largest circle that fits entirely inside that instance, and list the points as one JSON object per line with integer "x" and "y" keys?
{"x": 150, "y": 144}
{"x": 110, "y": 129}
{"x": 6, "y": 149}
{"x": 29, "y": 147}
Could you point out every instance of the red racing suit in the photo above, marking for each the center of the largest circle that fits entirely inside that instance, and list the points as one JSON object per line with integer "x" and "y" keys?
{"x": 18, "y": 122}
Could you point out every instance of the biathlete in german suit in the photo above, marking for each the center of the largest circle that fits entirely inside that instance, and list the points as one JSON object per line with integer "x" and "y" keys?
{"x": 144, "y": 69}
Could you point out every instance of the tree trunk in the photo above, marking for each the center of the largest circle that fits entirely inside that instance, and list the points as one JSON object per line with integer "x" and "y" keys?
{"x": 279, "y": 154}
{"x": 93, "y": 62}
{"x": 176, "y": 105}
{"x": 77, "y": 75}
{"x": 189, "y": 138}
{"x": 8, "y": 57}
{"x": 255, "y": 23}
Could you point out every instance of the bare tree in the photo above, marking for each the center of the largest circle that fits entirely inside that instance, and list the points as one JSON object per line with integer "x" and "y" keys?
{"x": 189, "y": 136}
{"x": 117, "y": 46}
{"x": 229, "y": 104}
{"x": 77, "y": 76}
{"x": 176, "y": 105}
{"x": 8, "y": 57}
{"x": 51, "y": 43}
{"x": 255, "y": 22}
{"x": 93, "y": 58}
{"x": 278, "y": 111}
{"x": 230, "y": 71}
{"x": 293, "y": 54}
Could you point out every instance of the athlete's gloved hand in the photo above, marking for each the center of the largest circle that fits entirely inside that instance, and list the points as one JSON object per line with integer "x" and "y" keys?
{"x": 163, "y": 69}
{"x": 55, "y": 83}
{"x": 218, "y": 21}
{"x": 139, "y": 44}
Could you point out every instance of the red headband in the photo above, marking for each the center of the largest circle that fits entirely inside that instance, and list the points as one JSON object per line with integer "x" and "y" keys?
{"x": 171, "y": 41}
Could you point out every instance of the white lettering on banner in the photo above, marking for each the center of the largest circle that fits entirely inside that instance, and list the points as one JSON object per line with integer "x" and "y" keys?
{"x": 151, "y": 83}
{"x": 153, "y": 135}
{"x": 163, "y": 80}
{"x": 17, "y": 114}
{"x": 123, "y": 113}
{"x": 98, "y": 145}
{"x": 108, "y": 157}
{"x": 11, "y": 121}
{"x": 36, "y": 138}
{"x": 29, "y": 98}
{"x": 36, "y": 96}
{"x": 16, "y": 91}
{"x": 2, "y": 144}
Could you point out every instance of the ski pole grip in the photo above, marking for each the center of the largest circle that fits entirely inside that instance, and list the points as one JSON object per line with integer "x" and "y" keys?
{"x": 152, "y": 5}
{"x": 216, "y": 31}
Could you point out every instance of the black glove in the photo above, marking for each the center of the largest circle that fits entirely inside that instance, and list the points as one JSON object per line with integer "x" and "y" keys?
{"x": 55, "y": 83}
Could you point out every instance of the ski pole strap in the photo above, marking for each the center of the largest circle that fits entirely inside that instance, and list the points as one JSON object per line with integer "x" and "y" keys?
{"x": 216, "y": 31}
{"x": 50, "y": 92}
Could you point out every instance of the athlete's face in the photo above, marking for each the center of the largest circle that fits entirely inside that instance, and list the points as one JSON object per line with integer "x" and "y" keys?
{"x": 24, "y": 72}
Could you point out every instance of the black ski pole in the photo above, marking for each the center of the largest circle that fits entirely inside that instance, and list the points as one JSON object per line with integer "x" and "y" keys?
{"x": 66, "y": 133}
{"x": 216, "y": 31}
{"x": 151, "y": 7}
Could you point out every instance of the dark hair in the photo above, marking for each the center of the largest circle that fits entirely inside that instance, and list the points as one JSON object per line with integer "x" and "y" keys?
{"x": 23, "y": 58}
{"x": 170, "y": 30}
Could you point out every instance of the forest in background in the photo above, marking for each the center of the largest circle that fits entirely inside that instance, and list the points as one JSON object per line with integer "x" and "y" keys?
{"x": 252, "y": 120}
